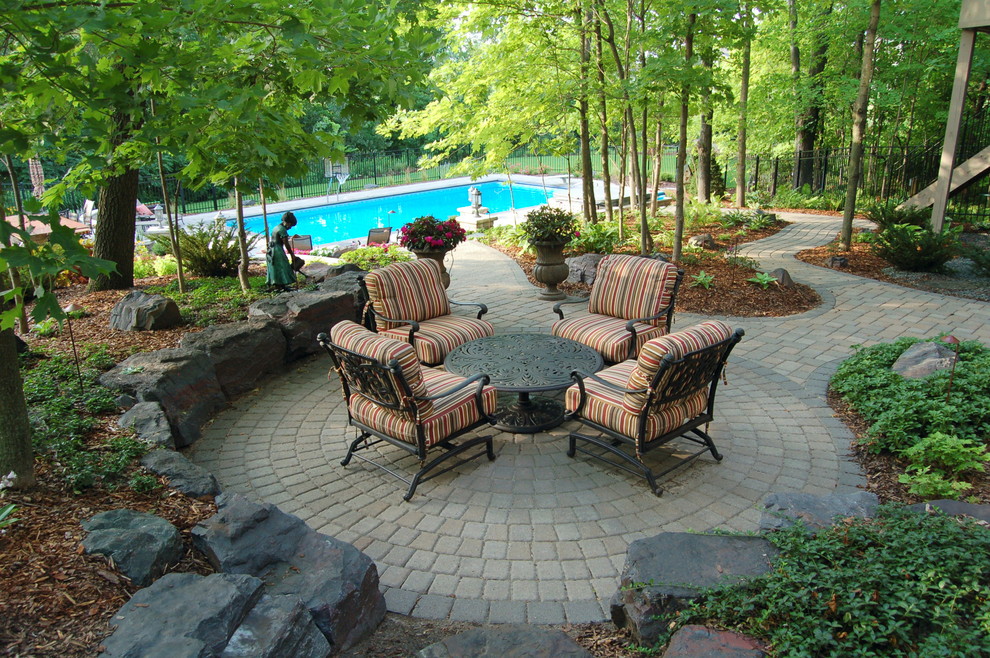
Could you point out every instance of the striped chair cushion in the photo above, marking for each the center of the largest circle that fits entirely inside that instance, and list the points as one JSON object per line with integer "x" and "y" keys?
{"x": 606, "y": 334}
{"x": 407, "y": 291}
{"x": 606, "y": 406}
{"x": 356, "y": 338}
{"x": 450, "y": 414}
{"x": 632, "y": 287}
{"x": 676, "y": 344}
{"x": 438, "y": 336}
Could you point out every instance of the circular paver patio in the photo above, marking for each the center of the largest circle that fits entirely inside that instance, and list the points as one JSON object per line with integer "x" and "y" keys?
{"x": 536, "y": 536}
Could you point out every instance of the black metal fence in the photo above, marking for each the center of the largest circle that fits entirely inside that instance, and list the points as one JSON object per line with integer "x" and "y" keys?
{"x": 888, "y": 173}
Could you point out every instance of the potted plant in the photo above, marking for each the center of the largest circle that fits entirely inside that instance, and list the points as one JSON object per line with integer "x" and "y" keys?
{"x": 428, "y": 237}
{"x": 549, "y": 230}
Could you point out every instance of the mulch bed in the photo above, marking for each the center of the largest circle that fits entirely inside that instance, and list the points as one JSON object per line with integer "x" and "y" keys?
{"x": 57, "y": 601}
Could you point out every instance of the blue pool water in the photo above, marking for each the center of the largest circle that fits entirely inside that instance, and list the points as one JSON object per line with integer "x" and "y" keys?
{"x": 353, "y": 219}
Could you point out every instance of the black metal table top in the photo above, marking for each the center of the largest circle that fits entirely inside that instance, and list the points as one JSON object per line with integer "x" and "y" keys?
{"x": 524, "y": 362}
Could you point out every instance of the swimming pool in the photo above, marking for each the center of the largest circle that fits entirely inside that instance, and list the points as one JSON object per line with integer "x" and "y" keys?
{"x": 352, "y": 219}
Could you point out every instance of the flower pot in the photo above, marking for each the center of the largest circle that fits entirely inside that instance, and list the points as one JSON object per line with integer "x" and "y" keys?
{"x": 550, "y": 268}
{"x": 437, "y": 255}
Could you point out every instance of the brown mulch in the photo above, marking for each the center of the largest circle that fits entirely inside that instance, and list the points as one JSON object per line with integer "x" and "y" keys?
{"x": 57, "y": 601}
{"x": 730, "y": 294}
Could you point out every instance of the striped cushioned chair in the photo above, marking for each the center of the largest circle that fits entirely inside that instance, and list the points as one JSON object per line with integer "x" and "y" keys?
{"x": 640, "y": 404}
{"x": 407, "y": 301}
{"x": 391, "y": 398}
{"x": 632, "y": 301}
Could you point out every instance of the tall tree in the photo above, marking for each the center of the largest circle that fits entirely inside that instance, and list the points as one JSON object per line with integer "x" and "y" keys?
{"x": 682, "y": 141}
{"x": 746, "y": 22}
{"x": 92, "y": 68}
{"x": 859, "y": 125}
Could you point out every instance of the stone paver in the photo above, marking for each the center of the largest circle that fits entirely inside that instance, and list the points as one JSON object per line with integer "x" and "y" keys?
{"x": 536, "y": 536}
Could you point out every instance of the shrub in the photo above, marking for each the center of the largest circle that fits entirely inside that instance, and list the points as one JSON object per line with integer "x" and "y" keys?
{"x": 428, "y": 233}
{"x": 599, "y": 238}
{"x": 886, "y": 214}
{"x": 916, "y": 249}
{"x": 735, "y": 218}
{"x": 506, "y": 235}
{"x": 372, "y": 258}
{"x": 699, "y": 213}
{"x": 550, "y": 224}
{"x": 203, "y": 297}
{"x": 209, "y": 249}
{"x": 980, "y": 257}
{"x": 900, "y": 584}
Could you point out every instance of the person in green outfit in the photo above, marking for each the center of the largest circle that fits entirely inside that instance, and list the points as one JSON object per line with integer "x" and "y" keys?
{"x": 280, "y": 272}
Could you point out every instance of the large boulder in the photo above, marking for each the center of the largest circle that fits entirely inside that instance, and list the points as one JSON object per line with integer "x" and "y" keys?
{"x": 703, "y": 240}
{"x": 694, "y": 641}
{"x": 242, "y": 352}
{"x": 665, "y": 573}
{"x": 182, "y": 380}
{"x": 278, "y": 627}
{"x": 304, "y": 314}
{"x": 317, "y": 272}
{"x": 141, "y": 545}
{"x": 583, "y": 268}
{"x": 183, "y": 475}
{"x": 781, "y": 510}
{"x": 922, "y": 359}
{"x": 139, "y": 311}
{"x": 508, "y": 641}
{"x": 337, "y": 582}
{"x": 149, "y": 422}
{"x": 183, "y": 615}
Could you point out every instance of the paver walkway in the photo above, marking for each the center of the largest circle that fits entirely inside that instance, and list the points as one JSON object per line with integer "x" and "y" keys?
{"x": 536, "y": 536}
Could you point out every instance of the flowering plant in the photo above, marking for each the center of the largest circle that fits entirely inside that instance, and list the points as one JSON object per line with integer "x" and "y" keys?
{"x": 428, "y": 233}
{"x": 548, "y": 224}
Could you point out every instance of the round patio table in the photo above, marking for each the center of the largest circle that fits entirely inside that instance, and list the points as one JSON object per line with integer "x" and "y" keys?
{"x": 522, "y": 364}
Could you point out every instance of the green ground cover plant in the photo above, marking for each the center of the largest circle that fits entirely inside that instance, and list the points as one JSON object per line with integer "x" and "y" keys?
{"x": 942, "y": 432}
{"x": 374, "y": 257}
{"x": 900, "y": 584}
{"x": 65, "y": 406}
{"x": 211, "y": 300}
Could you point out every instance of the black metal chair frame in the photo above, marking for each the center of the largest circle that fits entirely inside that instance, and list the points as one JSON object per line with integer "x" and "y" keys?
{"x": 630, "y": 325}
{"x": 373, "y": 381}
{"x": 674, "y": 380}
{"x": 370, "y": 316}
{"x": 375, "y": 233}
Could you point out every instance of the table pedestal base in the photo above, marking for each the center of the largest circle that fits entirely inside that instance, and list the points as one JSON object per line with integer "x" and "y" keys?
{"x": 524, "y": 414}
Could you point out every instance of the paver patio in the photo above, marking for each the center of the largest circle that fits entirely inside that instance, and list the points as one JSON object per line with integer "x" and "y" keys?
{"x": 536, "y": 536}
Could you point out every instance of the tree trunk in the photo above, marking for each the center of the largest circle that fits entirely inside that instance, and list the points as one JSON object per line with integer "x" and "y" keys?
{"x": 682, "y": 144}
{"x": 743, "y": 102}
{"x": 603, "y": 118}
{"x": 796, "y": 80}
{"x": 587, "y": 172}
{"x": 15, "y": 275}
{"x": 114, "y": 239}
{"x": 173, "y": 227}
{"x": 242, "y": 267}
{"x": 16, "y": 451}
{"x": 858, "y": 126}
{"x": 705, "y": 151}
{"x": 657, "y": 160}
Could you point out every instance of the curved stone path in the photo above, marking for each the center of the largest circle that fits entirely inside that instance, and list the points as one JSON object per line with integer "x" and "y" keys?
{"x": 536, "y": 536}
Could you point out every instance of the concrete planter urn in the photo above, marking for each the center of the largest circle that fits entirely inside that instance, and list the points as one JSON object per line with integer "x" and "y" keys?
{"x": 550, "y": 268}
